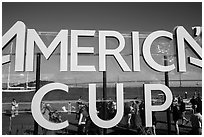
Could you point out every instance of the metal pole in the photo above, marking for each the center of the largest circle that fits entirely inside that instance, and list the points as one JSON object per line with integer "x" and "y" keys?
{"x": 167, "y": 84}
{"x": 37, "y": 86}
{"x": 104, "y": 100}
{"x": 180, "y": 79}
{"x": 10, "y": 124}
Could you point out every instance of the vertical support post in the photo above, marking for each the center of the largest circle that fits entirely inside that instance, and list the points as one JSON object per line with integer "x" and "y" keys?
{"x": 37, "y": 86}
{"x": 167, "y": 84}
{"x": 104, "y": 99}
{"x": 10, "y": 124}
{"x": 180, "y": 79}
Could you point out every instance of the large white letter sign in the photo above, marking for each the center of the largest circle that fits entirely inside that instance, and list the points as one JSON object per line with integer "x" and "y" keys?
{"x": 36, "y": 108}
{"x": 93, "y": 110}
{"x": 18, "y": 30}
{"x": 33, "y": 37}
{"x": 197, "y": 30}
{"x": 135, "y": 51}
{"x": 181, "y": 35}
{"x": 148, "y": 103}
{"x": 115, "y": 52}
{"x": 75, "y": 50}
{"x": 147, "y": 53}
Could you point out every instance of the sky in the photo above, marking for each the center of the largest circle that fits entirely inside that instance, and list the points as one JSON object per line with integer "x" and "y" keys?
{"x": 110, "y": 16}
{"x": 123, "y": 17}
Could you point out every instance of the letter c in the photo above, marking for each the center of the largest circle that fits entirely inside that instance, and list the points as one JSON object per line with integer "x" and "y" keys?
{"x": 147, "y": 53}
{"x": 36, "y": 109}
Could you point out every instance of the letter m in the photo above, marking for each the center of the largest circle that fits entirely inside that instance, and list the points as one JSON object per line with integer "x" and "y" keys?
{"x": 33, "y": 38}
{"x": 18, "y": 30}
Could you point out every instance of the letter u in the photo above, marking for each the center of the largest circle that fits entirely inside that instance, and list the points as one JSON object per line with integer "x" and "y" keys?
{"x": 93, "y": 111}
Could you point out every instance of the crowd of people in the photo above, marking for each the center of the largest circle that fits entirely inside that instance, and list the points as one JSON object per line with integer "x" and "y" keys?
{"x": 134, "y": 115}
{"x": 179, "y": 111}
{"x": 85, "y": 125}
{"x": 196, "y": 117}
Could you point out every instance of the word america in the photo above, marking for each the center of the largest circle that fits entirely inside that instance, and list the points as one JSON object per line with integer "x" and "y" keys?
{"x": 32, "y": 39}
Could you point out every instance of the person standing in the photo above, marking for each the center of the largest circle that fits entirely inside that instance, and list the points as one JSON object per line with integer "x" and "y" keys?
{"x": 79, "y": 104}
{"x": 182, "y": 108}
{"x": 126, "y": 114}
{"x": 176, "y": 115}
{"x": 142, "y": 112}
{"x": 83, "y": 115}
{"x": 137, "y": 117}
{"x": 199, "y": 103}
{"x": 69, "y": 108}
{"x": 45, "y": 112}
{"x": 132, "y": 111}
{"x": 196, "y": 122}
{"x": 193, "y": 103}
{"x": 14, "y": 108}
{"x": 154, "y": 122}
{"x": 186, "y": 95}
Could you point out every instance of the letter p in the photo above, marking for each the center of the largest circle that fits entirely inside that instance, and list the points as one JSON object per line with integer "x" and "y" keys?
{"x": 148, "y": 103}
